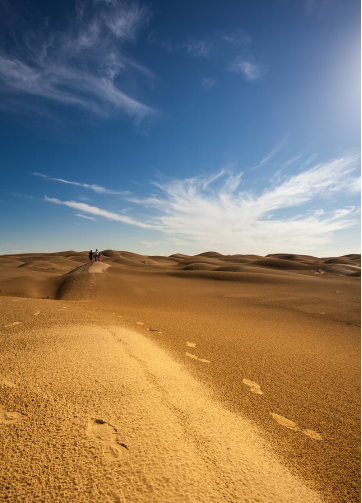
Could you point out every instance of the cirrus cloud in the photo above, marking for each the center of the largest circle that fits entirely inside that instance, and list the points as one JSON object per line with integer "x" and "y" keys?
{"x": 93, "y": 210}
{"x": 212, "y": 212}
{"x": 96, "y": 188}
{"x": 81, "y": 65}
{"x": 232, "y": 220}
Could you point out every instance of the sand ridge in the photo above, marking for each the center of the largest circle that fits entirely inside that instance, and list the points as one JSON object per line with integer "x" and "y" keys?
{"x": 274, "y": 340}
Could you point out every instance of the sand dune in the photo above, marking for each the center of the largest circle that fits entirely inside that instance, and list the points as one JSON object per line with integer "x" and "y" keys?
{"x": 183, "y": 378}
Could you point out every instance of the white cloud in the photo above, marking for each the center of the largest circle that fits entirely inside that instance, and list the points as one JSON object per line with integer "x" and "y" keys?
{"x": 84, "y": 216}
{"x": 96, "y": 188}
{"x": 211, "y": 212}
{"x": 149, "y": 244}
{"x": 212, "y": 178}
{"x": 318, "y": 213}
{"x": 250, "y": 71}
{"x": 94, "y": 210}
{"x": 233, "y": 49}
{"x": 80, "y": 66}
{"x": 199, "y": 48}
{"x": 125, "y": 20}
{"x": 231, "y": 220}
{"x": 269, "y": 156}
{"x": 277, "y": 176}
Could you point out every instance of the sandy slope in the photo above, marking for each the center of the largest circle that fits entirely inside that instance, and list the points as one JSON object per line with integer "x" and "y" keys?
{"x": 254, "y": 396}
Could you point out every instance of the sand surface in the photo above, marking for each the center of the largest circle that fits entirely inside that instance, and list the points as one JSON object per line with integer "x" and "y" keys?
{"x": 179, "y": 379}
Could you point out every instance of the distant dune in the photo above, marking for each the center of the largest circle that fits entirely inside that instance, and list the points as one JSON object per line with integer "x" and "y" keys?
{"x": 20, "y": 273}
{"x": 208, "y": 378}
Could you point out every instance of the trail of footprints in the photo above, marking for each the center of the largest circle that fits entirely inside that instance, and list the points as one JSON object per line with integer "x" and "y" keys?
{"x": 255, "y": 388}
{"x": 35, "y": 314}
{"x": 20, "y": 322}
{"x": 108, "y": 437}
{"x": 283, "y": 421}
{"x": 194, "y": 357}
{"x": 293, "y": 426}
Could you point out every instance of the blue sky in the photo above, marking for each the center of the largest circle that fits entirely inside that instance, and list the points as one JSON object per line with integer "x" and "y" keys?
{"x": 180, "y": 126}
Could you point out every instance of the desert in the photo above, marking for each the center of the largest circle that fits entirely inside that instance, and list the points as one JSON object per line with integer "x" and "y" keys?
{"x": 206, "y": 378}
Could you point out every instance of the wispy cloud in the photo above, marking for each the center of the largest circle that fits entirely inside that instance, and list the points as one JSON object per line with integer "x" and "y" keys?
{"x": 232, "y": 50}
{"x": 269, "y": 156}
{"x": 250, "y": 71}
{"x": 149, "y": 244}
{"x": 85, "y": 216}
{"x": 240, "y": 220}
{"x": 218, "y": 45}
{"x": 211, "y": 212}
{"x": 199, "y": 48}
{"x": 79, "y": 66}
{"x": 94, "y": 210}
{"x": 277, "y": 176}
{"x": 207, "y": 83}
{"x": 96, "y": 188}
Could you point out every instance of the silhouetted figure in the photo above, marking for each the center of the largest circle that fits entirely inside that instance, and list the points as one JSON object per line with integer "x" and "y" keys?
{"x": 91, "y": 255}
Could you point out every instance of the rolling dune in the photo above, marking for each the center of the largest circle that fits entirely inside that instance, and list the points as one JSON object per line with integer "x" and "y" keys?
{"x": 180, "y": 379}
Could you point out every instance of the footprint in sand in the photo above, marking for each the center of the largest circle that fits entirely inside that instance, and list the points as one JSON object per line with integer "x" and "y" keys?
{"x": 37, "y": 313}
{"x": 154, "y": 330}
{"x": 254, "y": 386}
{"x": 191, "y": 344}
{"x": 7, "y": 417}
{"x": 139, "y": 322}
{"x": 197, "y": 358}
{"x": 15, "y": 323}
{"x": 287, "y": 423}
{"x": 6, "y": 382}
{"x": 312, "y": 434}
{"x": 107, "y": 436}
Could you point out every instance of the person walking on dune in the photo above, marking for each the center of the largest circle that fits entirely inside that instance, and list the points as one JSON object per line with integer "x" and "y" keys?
{"x": 91, "y": 255}
{"x": 95, "y": 255}
{"x": 99, "y": 256}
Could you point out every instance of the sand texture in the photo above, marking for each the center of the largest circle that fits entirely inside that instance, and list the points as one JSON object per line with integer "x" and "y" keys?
{"x": 208, "y": 378}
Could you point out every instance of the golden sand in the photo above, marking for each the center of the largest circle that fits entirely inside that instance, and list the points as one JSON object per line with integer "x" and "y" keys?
{"x": 179, "y": 379}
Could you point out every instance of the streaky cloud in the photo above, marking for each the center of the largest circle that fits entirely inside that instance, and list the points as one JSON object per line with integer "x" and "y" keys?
{"x": 94, "y": 210}
{"x": 270, "y": 155}
{"x": 85, "y": 216}
{"x": 212, "y": 212}
{"x": 149, "y": 244}
{"x": 232, "y": 220}
{"x": 96, "y": 188}
{"x": 199, "y": 48}
{"x": 79, "y": 66}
